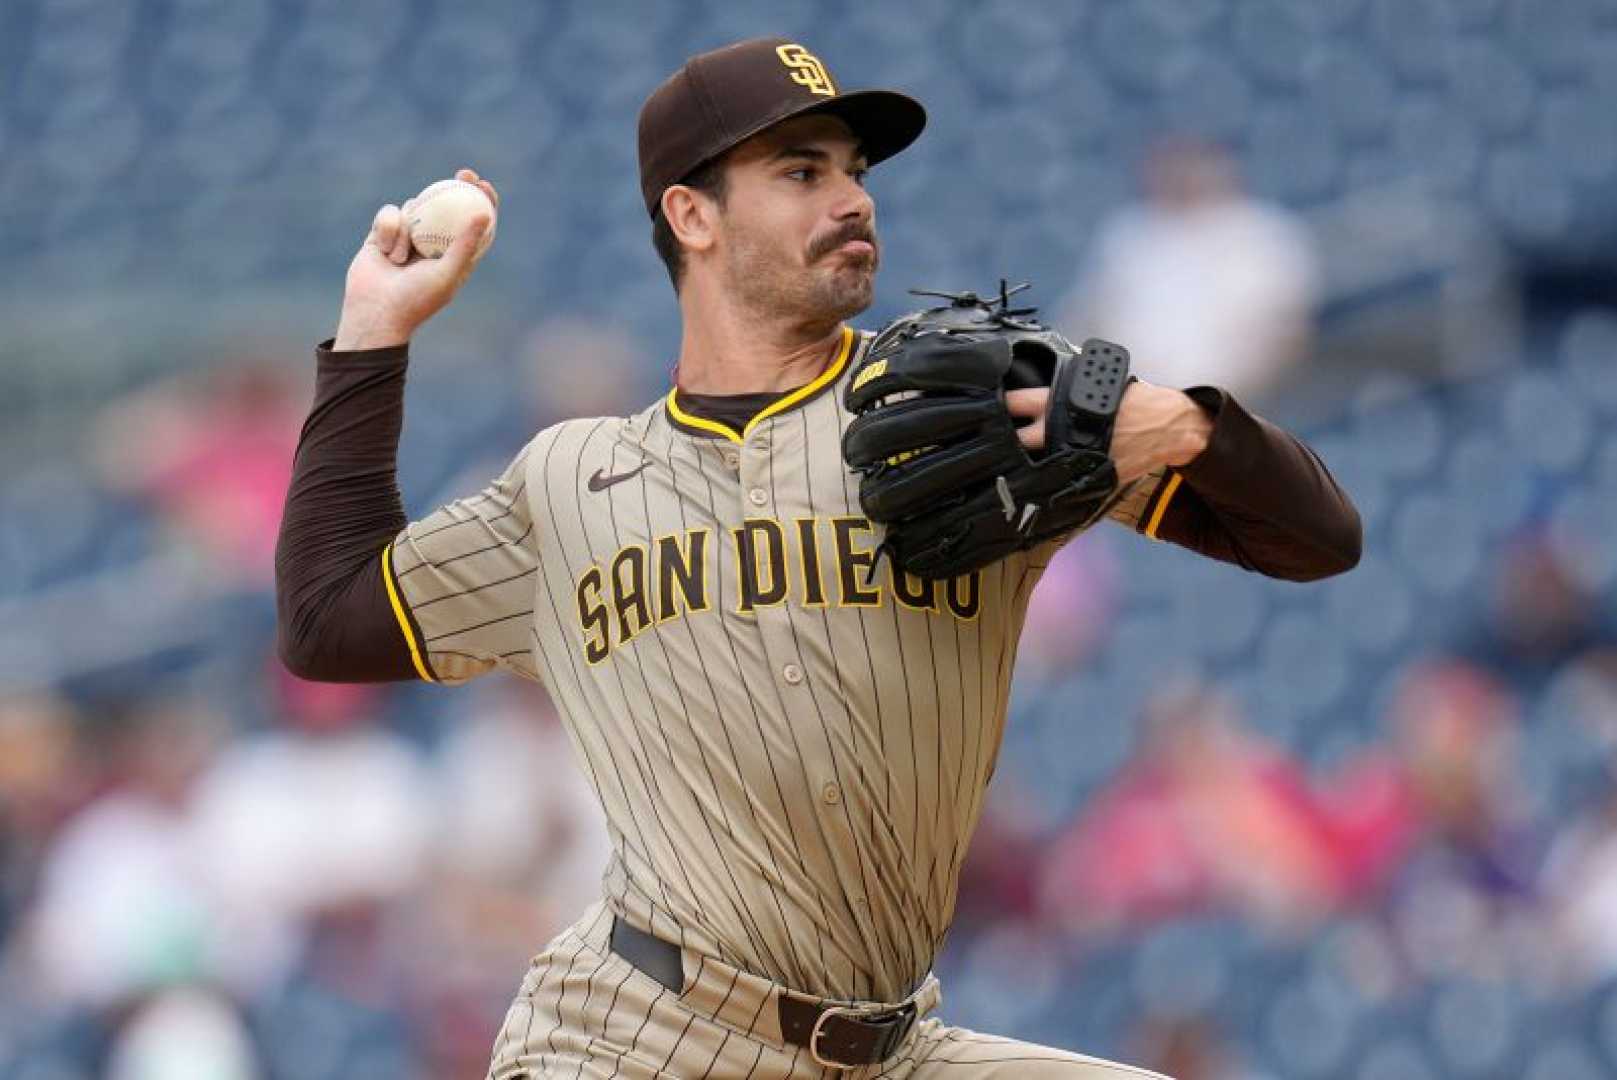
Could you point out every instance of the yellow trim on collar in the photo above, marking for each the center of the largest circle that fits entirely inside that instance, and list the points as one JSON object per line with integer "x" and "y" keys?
{"x": 1174, "y": 480}
{"x": 820, "y": 382}
{"x": 398, "y": 613}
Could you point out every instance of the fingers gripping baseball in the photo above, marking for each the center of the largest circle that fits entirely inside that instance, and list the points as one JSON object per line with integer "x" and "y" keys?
{"x": 390, "y": 235}
{"x": 392, "y": 288}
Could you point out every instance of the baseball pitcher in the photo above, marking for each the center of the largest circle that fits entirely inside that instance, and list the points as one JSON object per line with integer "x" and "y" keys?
{"x": 779, "y": 607}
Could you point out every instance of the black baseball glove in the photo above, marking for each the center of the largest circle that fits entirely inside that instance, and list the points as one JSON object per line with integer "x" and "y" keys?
{"x": 936, "y": 446}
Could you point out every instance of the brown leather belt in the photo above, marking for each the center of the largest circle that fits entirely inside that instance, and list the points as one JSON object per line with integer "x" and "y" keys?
{"x": 839, "y": 1036}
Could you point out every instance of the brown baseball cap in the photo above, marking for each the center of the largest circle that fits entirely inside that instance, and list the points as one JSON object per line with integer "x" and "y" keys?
{"x": 721, "y": 98}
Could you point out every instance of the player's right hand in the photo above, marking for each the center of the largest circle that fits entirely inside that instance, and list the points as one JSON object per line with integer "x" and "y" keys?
{"x": 390, "y": 290}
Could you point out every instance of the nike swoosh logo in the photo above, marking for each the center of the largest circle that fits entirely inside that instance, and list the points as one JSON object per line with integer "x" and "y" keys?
{"x": 600, "y": 481}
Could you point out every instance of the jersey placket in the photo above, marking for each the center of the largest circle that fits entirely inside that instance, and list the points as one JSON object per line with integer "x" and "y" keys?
{"x": 792, "y": 675}
{"x": 786, "y": 663}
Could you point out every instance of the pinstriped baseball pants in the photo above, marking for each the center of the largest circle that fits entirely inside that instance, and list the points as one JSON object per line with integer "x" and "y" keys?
{"x": 584, "y": 1011}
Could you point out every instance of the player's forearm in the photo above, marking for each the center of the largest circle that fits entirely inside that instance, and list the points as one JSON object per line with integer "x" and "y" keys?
{"x": 1258, "y": 497}
{"x": 334, "y": 620}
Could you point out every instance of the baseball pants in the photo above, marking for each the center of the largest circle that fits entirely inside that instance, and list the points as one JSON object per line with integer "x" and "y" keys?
{"x": 584, "y": 1011}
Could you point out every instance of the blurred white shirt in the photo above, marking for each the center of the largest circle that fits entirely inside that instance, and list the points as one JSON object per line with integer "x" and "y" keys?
{"x": 300, "y": 823}
{"x": 122, "y": 906}
{"x": 517, "y": 811}
{"x": 289, "y": 824}
{"x": 1220, "y": 293}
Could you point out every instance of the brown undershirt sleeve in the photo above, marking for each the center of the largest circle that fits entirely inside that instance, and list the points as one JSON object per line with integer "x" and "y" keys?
{"x": 335, "y": 622}
{"x": 1257, "y": 497}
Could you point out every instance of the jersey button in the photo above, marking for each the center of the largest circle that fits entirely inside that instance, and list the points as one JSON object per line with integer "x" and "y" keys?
{"x": 757, "y": 496}
{"x": 831, "y": 793}
{"x": 732, "y": 461}
{"x": 792, "y": 674}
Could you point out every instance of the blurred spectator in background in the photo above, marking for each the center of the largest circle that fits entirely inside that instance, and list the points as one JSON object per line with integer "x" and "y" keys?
{"x": 184, "y": 1033}
{"x": 213, "y": 453}
{"x": 1186, "y": 1048}
{"x": 1208, "y": 816}
{"x": 1072, "y": 609}
{"x": 999, "y": 879}
{"x": 520, "y": 849}
{"x": 517, "y": 816}
{"x": 1464, "y": 896}
{"x": 310, "y": 831}
{"x": 1581, "y": 882}
{"x": 1580, "y": 876}
{"x": 41, "y": 782}
{"x": 1203, "y": 283}
{"x": 1541, "y": 613}
{"x": 123, "y": 905}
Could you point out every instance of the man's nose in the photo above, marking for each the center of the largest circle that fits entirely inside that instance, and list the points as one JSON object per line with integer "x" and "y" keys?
{"x": 854, "y": 202}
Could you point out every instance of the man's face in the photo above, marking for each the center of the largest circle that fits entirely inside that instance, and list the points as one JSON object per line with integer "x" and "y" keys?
{"x": 798, "y": 230}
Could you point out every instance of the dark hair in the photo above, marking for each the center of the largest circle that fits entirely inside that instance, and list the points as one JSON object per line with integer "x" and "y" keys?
{"x": 708, "y": 178}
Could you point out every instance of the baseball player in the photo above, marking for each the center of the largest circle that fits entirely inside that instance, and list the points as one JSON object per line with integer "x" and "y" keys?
{"x": 790, "y": 736}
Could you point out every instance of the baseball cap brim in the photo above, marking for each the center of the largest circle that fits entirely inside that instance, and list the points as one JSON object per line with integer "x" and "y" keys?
{"x": 884, "y": 121}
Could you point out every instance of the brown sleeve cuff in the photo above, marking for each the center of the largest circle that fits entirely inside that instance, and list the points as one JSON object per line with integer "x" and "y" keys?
{"x": 1258, "y": 497}
{"x": 398, "y": 354}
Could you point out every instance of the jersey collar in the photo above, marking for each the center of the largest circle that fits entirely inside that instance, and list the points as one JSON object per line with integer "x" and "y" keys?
{"x": 698, "y": 425}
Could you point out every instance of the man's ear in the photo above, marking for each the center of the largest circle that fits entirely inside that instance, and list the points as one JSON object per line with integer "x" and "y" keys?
{"x": 691, "y": 216}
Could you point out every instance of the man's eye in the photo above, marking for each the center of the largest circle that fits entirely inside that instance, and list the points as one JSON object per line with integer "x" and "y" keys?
{"x": 801, "y": 174}
{"x": 859, "y": 176}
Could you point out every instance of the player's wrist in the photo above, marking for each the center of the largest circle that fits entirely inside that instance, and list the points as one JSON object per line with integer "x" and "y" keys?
{"x": 359, "y": 331}
{"x": 1192, "y": 429}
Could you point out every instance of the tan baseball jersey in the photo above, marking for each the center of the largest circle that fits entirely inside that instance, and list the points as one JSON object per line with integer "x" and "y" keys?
{"x": 790, "y": 740}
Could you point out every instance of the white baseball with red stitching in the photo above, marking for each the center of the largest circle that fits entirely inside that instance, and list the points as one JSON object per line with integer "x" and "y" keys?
{"x": 442, "y": 210}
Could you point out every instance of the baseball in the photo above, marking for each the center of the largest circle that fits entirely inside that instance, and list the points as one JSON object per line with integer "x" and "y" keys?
{"x": 442, "y": 210}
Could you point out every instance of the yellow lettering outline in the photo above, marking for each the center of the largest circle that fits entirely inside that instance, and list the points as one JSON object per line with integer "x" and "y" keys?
{"x": 848, "y": 564}
{"x": 813, "y": 532}
{"x": 895, "y": 575}
{"x": 645, "y": 606}
{"x": 605, "y": 642}
{"x": 975, "y": 576}
{"x": 698, "y": 565}
{"x": 785, "y": 579}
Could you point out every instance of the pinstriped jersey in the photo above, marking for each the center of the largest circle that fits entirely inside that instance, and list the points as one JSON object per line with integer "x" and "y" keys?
{"x": 790, "y": 739}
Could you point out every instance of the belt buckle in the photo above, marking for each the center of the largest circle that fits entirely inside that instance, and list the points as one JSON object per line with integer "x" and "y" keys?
{"x": 901, "y": 1017}
{"x": 814, "y": 1035}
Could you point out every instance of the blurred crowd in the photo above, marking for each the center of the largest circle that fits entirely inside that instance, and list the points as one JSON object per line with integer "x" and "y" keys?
{"x": 1429, "y": 853}
{"x": 287, "y": 879}
{"x": 1239, "y": 830}
{"x": 268, "y": 878}
{"x": 318, "y": 895}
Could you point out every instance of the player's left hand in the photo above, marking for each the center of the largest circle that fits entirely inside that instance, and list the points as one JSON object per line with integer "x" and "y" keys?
{"x": 1156, "y": 425}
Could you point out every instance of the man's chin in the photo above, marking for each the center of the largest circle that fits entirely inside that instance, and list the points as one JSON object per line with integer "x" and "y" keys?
{"x": 850, "y": 295}
{"x": 854, "y": 286}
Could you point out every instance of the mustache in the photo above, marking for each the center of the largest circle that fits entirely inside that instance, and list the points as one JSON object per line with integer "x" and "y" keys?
{"x": 835, "y": 239}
